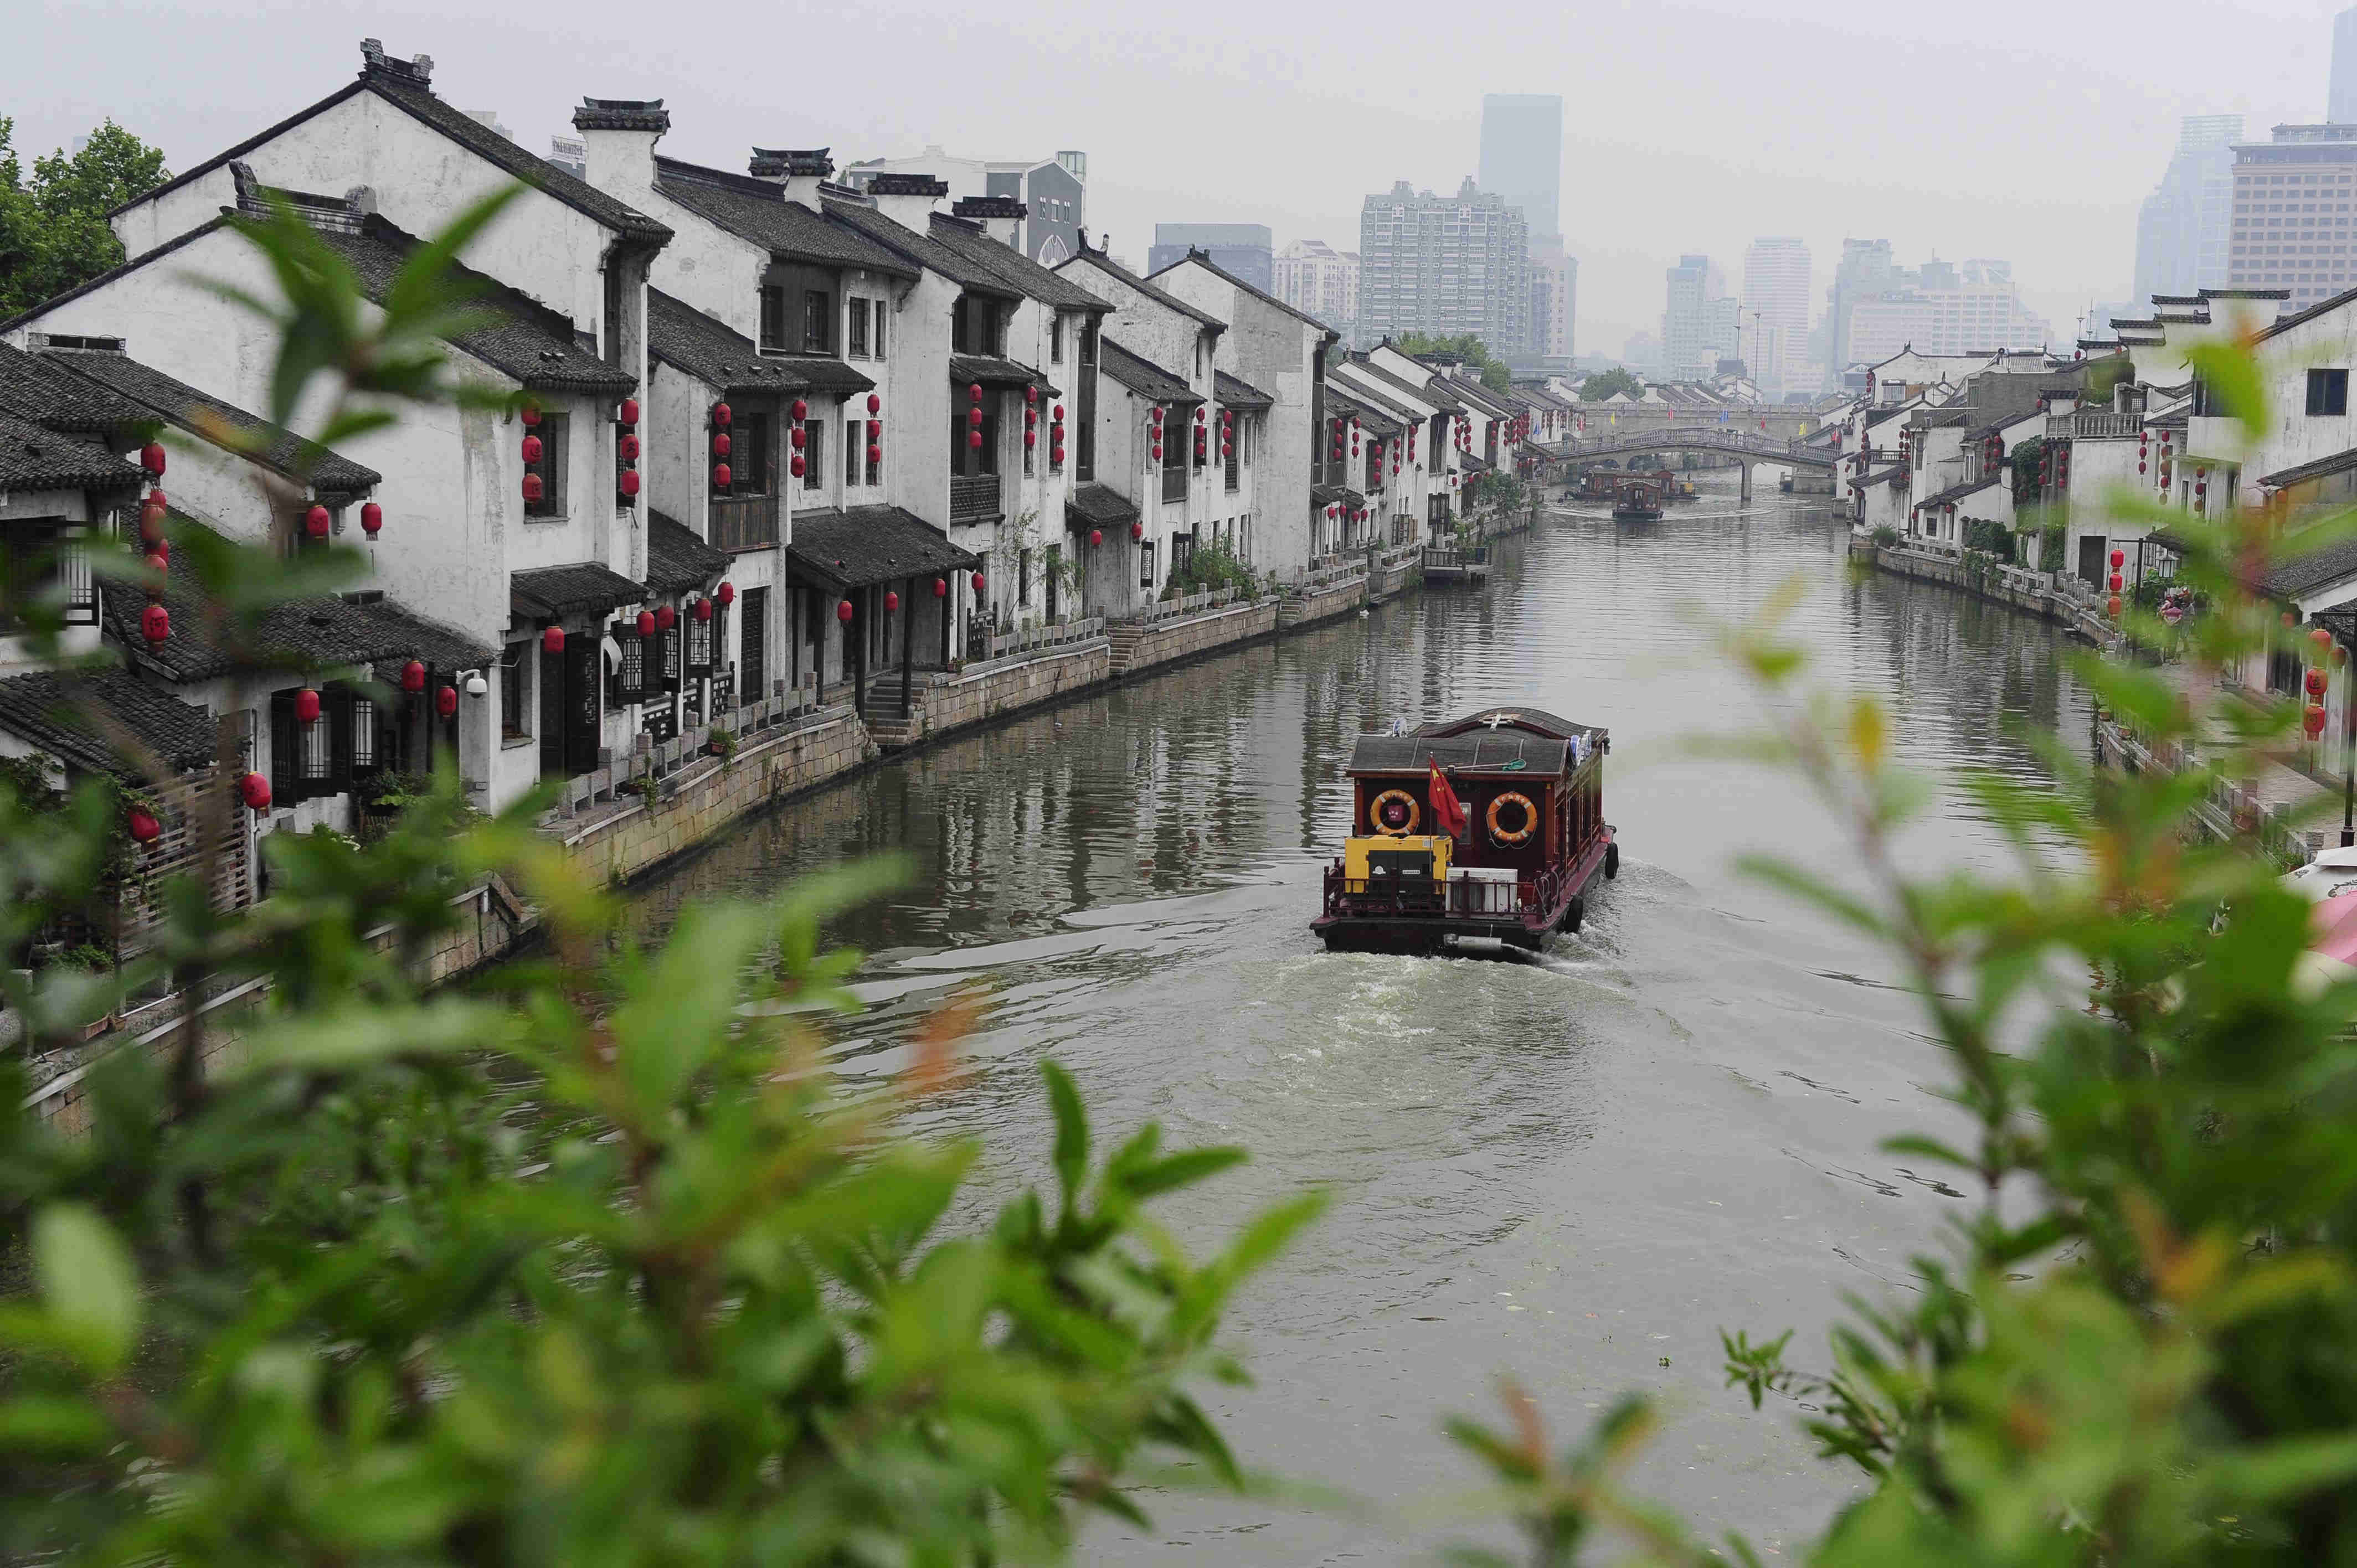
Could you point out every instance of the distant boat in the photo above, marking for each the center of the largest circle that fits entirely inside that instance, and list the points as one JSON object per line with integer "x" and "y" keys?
{"x": 1638, "y": 500}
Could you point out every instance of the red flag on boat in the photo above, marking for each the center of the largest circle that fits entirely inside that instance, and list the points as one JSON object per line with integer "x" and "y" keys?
{"x": 1447, "y": 809}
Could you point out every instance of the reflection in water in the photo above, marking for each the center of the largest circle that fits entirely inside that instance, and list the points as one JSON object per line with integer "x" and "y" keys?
{"x": 1570, "y": 1169}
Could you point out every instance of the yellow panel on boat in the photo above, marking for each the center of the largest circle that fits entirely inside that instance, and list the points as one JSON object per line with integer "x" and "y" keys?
{"x": 1416, "y": 855}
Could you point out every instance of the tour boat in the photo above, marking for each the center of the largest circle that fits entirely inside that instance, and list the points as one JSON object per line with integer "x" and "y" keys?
{"x": 1478, "y": 833}
{"x": 1638, "y": 500}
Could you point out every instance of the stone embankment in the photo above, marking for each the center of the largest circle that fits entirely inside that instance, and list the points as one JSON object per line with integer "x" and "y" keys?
{"x": 2050, "y": 595}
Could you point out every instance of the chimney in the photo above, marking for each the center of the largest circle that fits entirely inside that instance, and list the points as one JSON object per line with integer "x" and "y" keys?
{"x": 801, "y": 170}
{"x": 617, "y": 143}
{"x": 907, "y": 200}
{"x": 999, "y": 215}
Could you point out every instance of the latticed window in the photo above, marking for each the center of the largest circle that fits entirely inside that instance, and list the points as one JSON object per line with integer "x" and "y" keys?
{"x": 632, "y": 684}
{"x": 699, "y": 644}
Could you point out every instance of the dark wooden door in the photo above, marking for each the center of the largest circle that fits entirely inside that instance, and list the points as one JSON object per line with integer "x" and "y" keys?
{"x": 552, "y": 715}
{"x": 583, "y": 708}
{"x": 752, "y": 661}
{"x": 2091, "y": 560}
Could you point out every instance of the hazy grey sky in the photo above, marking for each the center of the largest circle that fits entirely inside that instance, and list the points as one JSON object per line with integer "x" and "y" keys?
{"x": 2008, "y": 128}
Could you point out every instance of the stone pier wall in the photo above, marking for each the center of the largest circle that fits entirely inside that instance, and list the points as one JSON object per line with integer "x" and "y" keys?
{"x": 1324, "y": 604}
{"x": 981, "y": 694}
{"x": 1196, "y": 635}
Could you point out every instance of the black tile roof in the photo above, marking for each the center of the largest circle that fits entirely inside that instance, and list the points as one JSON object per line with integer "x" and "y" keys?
{"x": 1141, "y": 376}
{"x": 1385, "y": 397}
{"x": 1373, "y": 419}
{"x": 992, "y": 371}
{"x": 33, "y": 458}
{"x": 2313, "y": 569}
{"x": 1019, "y": 271}
{"x": 52, "y": 711}
{"x": 464, "y": 129}
{"x": 677, "y": 560}
{"x": 307, "y": 634}
{"x": 719, "y": 355}
{"x": 866, "y": 546}
{"x": 1955, "y": 493}
{"x": 552, "y": 593}
{"x": 1322, "y": 496}
{"x": 1159, "y": 295}
{"x": 32, "y": 388}
{"x": 517, "y": 336}
{"x": 274, "y": 446}
{"x": 1097, "y": 506}
{"x": 2284, "y": 323}
{"x": 1505, "y": 750}
{"x": 918, "y": 250}
{"x": 1491, "y": 721}
{"x": 1234, "y": 392}
{"x": 1197, "y": 259}
{"x": 2315, "y": 470}
{"x": 1483, "y": 399}
{"x": 758, "y": 211}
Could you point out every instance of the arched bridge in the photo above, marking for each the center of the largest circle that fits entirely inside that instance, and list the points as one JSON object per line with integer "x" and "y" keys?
{"x": 1742, "y": 445}
{"x": 1698, "y": 438}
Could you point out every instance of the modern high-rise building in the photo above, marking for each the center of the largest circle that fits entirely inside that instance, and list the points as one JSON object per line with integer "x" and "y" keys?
{"x": 1313, "y": 276}
{"x": 1443, "y": 265}
{"x": 2184, "y": 230}
{"x": 1700, "y": 322}
{"x": 2292, "y": 218}
{"x": 2341, "y": 94}
{"x": 1054, "y": 192}
{"x": 1246, "y": 250}
{"x": 1522, "y": 157}
{"x": 1554, "y": 296}
{"x": 1868, "y": 271}
{"x": 1775, "y": 325}
{"x": 1946, "y": 308}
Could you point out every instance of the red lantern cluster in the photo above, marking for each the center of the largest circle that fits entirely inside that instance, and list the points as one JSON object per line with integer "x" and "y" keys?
{"x": 533, "y": 450}
{"x": 626, "y": 452}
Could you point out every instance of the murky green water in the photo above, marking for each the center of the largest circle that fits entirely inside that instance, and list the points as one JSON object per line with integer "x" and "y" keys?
{"x": 1567, "y": 1171}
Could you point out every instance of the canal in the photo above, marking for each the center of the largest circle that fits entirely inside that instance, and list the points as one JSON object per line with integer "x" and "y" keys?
{"x": 1574, "y": 1172}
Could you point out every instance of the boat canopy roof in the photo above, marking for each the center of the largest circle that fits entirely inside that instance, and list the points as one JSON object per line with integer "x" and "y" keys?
{"x": 1500, "y": 751}
{"x": 1533, "y": 721}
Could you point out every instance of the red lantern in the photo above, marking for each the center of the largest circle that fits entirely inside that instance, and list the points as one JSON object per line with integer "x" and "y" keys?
{"x": 2312, "y": 721}
{"x": 151, "y": 457}
{"x": 630, "y": 410}
{"x": 306, "y": 706}
{"x": 553, "y": 640}
{"x": 628, "y": 448}
{"x": 972, "y": 440}
{"x": 2119, "y": 559}
{"x": 532, "y": 448}
{"x": 145, "y": 828}
{"x": 796, "y": 466}
{"x": 664, "y": 616}
{"x": 254, "y": 789}
{"x": 646, "y": 623}
{"x": 799, "y": 439}
{"x": 722, "y": 414}
{"x": 445, "y": 701}
{"x": 1031, "y": 394}
{"x": 372, "y": 520}
{"x": 940, "y": 587}
{"x": 160, "y": 563}
{"x": 875, "y": 403}
{"x": 704, "y": 609}
{"x": 530, "y": 415}
{"x": 154, "y": 624}
{"x": 2117, "y": 583}
{"x": 721, "y": 475}
{"x": 2116, "y": 606}
{"x": 2316, "y": 683}
{"x": 725, "y": 592}
{"x": 315, "y": 522}
{"x": 1059, "y": 413}
{"x": 1138, "y": 531}
{"x": 1157, "y": 417}
{"x": 843, "y": 610}
{"x": 721, "y": 445}
{"x": 802, "y": 411}
{"x": 2322, "y": 638}
{"x": 533, "y": 489}
{"x": 875, "y": 453}
{"x": 977, "y": 582}
{"x": 973, "y": 393}
{"x": 874, "y": 430}
{"x": 1226, "y": 449}
{"x": 629, "y": 482}
{"x": 1096, "y": 537}
{"x": 1030, "y": 439}
{"x": 973, "y": 417}
{"x": 1030, "y": 418}
{"x": 1156, "y": 450}
{"x": 412, "y": 675}
{"x": 891, "y": 602}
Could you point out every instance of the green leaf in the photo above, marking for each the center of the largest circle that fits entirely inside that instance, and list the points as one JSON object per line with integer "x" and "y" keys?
{"x": 1071, "y": 1131}
{"x": 87, "y": 1283}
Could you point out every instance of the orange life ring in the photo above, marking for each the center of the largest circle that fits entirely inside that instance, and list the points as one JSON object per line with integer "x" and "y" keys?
{"x": 1530, "y": 818}
{"x": 1375, "y": 813}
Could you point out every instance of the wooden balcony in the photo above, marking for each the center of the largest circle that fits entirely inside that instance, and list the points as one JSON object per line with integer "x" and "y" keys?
{"x": 744, "y": 522}
{"x": 973, "y": 498}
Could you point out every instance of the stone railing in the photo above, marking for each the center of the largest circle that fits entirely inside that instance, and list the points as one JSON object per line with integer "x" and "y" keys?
{"x": 1025, "y": 639}
{"x": 662, "y": 759}
{"x": 1178, "y": 609}
{"x": 1314, "y": 577}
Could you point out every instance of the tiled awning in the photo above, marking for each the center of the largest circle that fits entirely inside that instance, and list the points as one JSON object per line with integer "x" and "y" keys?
{"x": 968, "y": 370}
{"x": 550, "y": 593}
{"x": 1098, "y": 506}
{"x": 870, "y": 545}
